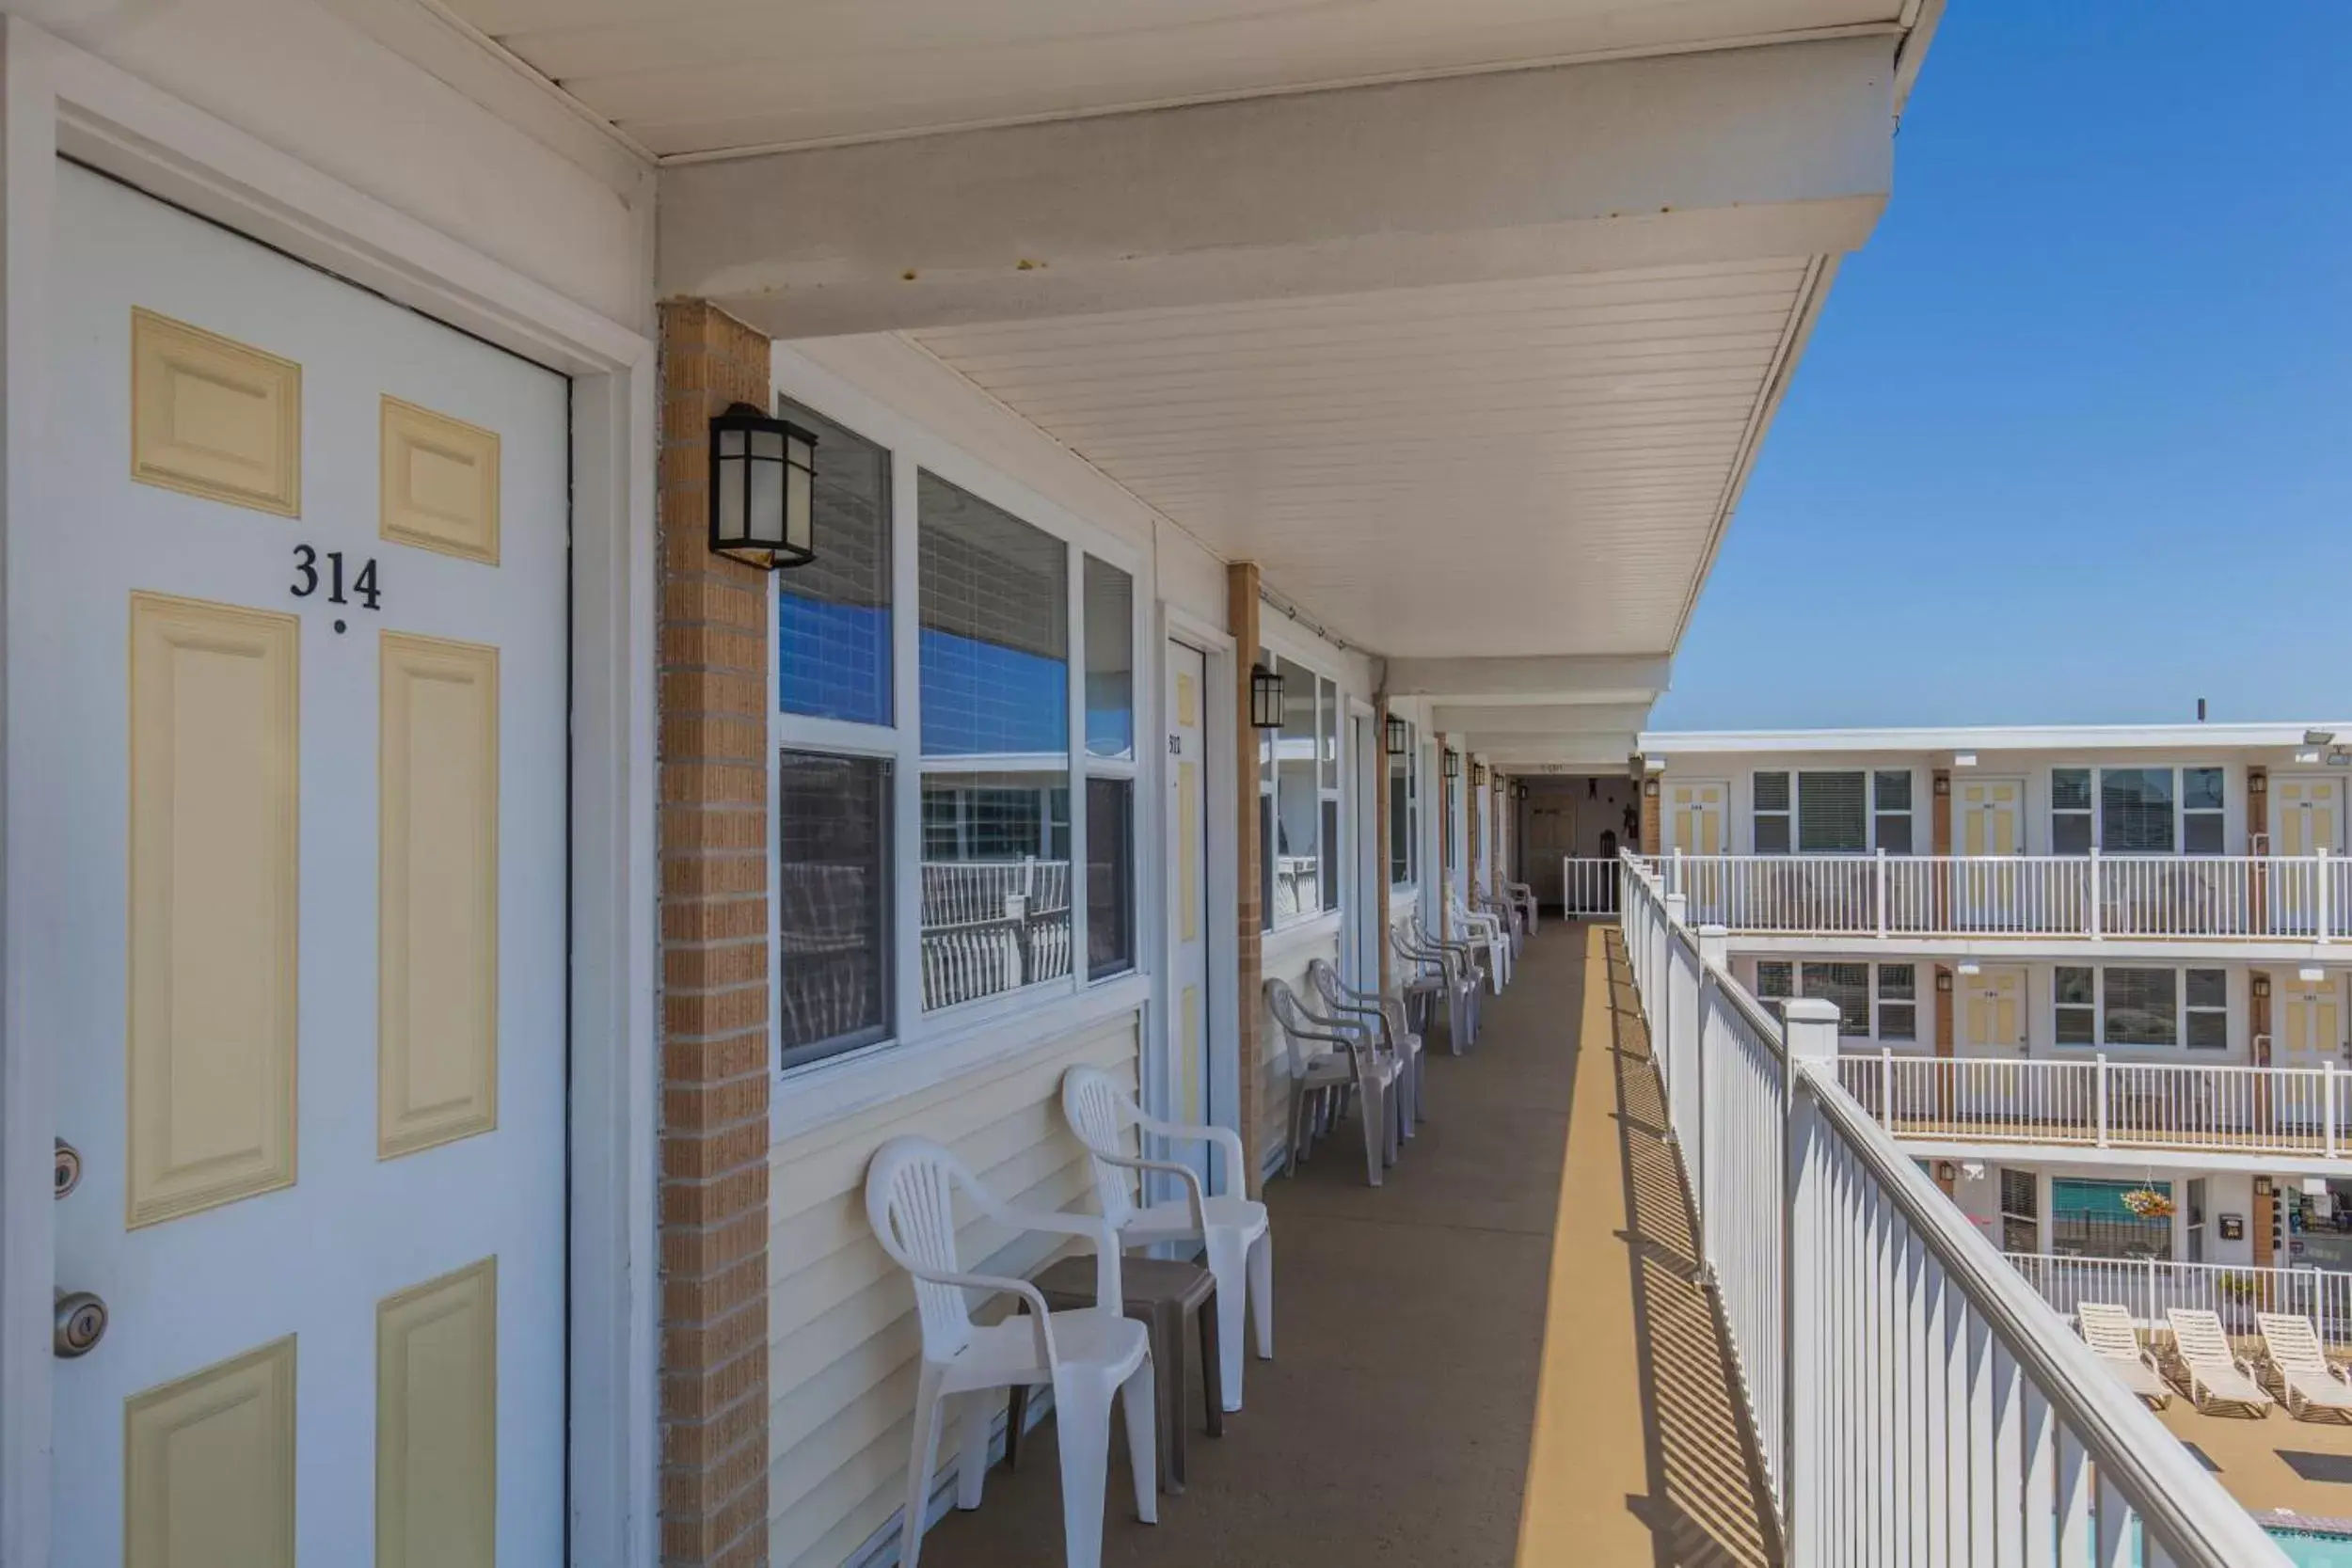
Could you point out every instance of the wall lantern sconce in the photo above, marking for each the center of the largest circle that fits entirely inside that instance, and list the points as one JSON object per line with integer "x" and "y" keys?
{"x": 1266, "y": 698}
{"x": 2263, "y": 1187}
{"x": 1943, "y": 784}
{"x": 2261, "y": 988}
{"x": 1396, "y": 735}
{"x": 1521, "y": 790}
{"x": 1946, "y": 1172}
{"x": 1452, "y": 764}
{"x": 763, "y": 479}
{"x": 1649, "y": 788}
{"x": 1944, "y": 981}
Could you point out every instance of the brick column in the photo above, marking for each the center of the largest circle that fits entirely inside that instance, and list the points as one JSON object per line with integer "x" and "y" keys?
{"x": 1653, "y": 787}
{"x": 2258, "y": 843}
{"x": 714, "y": 706}
{"x": 1240, "y": 619}
{"x": 1382, "y": 828}
{"x": 1946, "y": 982}
{"x": 1940, "y": 840}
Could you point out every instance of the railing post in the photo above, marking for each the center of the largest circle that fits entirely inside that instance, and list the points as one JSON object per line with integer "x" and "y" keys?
{"x": 1674, "y": 884}
{"x": 1809, "y": 1032}
{"x": 1662, "y": 1022}
{"x": 1877, "y": 889}
{"x": 1886, "y": 1087}
{"x": 2324, "y": 912}
{"x": 2098, "y": 895}
{"x": 1697, "y": 1157}
{"x": 2153, "y": 1318}
{"x": 2327, "y": 1087}
{"x": 2103, "y": 1099}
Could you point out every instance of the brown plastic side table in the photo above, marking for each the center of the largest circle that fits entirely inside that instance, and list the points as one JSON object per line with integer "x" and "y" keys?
{"x": 1159, "y": 1294}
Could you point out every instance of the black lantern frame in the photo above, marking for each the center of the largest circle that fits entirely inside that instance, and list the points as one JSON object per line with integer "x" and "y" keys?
{"x": 763, "y": 489}
{"x": 1452, "y": 764}
{"x": 1396, "y": 735}
{"x": 1266, "y": 705}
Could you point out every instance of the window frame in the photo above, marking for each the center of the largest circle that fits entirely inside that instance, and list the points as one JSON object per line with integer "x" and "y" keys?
{"x": 2218, "y": 815}
{"x": 1408, "y": 766}
{"x": 1874, "y": 987}
{"x": 915, "y": 449}
{"x": 1274, "y": 651}
{"x": 2182, "y": 1008}
{"x": 1793, "y": 817}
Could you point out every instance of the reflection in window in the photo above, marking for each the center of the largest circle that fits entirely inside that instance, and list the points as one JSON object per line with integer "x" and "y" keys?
{"x": 2135, "y": 811}
{"x": 1111, "y": 893}
{"x": 2069, "y": 811}
{"x": 2089, "y": 1219}
{"x": 2201, "y": 811}
{"x": 995, "y": 883}
{"x": 2077, "y": 1002}
{"x": 1298, "y": 799}
{"x": 832, "y": 904}
{"x": 995, "y": 629}
{"x": 833, "y": 615}
{"x": 1110, "y": 612}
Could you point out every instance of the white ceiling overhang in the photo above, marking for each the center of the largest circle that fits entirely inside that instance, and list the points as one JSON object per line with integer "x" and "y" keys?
{"x": 1463, "y": 320}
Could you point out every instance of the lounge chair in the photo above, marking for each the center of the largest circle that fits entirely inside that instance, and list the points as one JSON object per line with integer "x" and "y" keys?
{"x": 2108, "y": 1330}
{"x": 2214, "y": 1373}
{"x": 2307, "y": 1379}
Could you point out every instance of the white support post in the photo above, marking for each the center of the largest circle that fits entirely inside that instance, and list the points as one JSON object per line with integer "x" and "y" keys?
{"x": 1886, "y": 1087}
{"x": 1878, "y": 889}
{"x": 2102, "y": 1074}
{"x": 1664, "y": 1023}
{"x": 1809, "y": 1032}
{"x": 1714, "y": 957}
{"x": 2327, "y": 1087}
{"x": 2098, "y": 891}
{"x": 1674, "y": 884}
{"x": 2325, "y": 913}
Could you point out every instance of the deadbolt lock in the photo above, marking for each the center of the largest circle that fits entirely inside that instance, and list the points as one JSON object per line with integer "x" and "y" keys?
{"x": 68, "y": 1167}
{"x": 80, "y": 1322}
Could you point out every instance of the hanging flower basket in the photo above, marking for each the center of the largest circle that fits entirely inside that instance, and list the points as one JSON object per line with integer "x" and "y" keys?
{"x": 2148, "y": 1203}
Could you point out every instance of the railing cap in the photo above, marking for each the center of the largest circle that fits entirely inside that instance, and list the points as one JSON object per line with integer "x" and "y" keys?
{"x": 1809, "y": 1009}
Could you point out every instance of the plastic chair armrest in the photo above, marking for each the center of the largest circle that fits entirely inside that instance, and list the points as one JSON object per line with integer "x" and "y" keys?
{"x": 1087, "y": 1228}
{"x": 1030, "y": 1297}
{"x": 1191, "y": 1177}
{"x": 1226, "y": 1140}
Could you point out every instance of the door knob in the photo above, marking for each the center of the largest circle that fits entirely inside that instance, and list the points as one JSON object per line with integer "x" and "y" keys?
{"x": 68, "y": 1167}
{"x": 81, "y": 1323}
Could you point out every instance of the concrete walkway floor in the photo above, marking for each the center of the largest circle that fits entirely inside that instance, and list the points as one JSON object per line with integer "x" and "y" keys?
{"x": 1496, "y": 1357}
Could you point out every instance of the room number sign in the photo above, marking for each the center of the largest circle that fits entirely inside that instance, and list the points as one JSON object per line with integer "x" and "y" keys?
{"x": 309, "y": 577}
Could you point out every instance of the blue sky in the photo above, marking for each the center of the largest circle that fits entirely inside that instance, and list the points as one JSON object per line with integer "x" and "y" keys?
{"x": 2072, "y": 441}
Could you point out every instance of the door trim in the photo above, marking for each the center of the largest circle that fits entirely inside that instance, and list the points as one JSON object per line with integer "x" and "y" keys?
{"x": 1220, "y": 832}
{"x": 58, "y": 100}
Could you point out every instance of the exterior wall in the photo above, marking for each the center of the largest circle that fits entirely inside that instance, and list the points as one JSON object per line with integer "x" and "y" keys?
{"x": 2226, "y": 1192}
{"x": 843, "y": 1338}
{"x": 569, "y": 207}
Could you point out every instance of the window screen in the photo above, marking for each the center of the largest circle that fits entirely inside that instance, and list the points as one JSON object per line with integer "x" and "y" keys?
{"x": 2069, "y": 811}
{"x": 1111, "y": 877}
{"x": 832, "y": 904}
{"x": 1890, "y": 823}
{"x": 2078, "y": 1000}
{"x": 2208, "y": 1018}
{"x": 1772, "y": 814}
{"x": 1299, "y": 816}
{"x": 1847, "y": 986}
{"x": 2135, "y": 811}
{"x": 1899, "y": 1002}
{"x": 995, "y": 883}
{"x": 2142, "y": 1006}
{"x": 1400, "y": 818}
{"x": 1110, "y": 674}
{"x": 833, "y": 615}
{"x": 1776, "y": 979}
{"x": 1831, "y": 813}
{"x": 995, "y": 628}
{"x": 2201, "y": 811}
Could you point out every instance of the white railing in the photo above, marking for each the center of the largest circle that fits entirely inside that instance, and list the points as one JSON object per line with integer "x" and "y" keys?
{"x": 2148, "y": 1288}
{"x": 1297, "y": 886}
{"x": 2246, "y": 897}
{"x": 1588, "y": 886}
{"x": 2098, "y": 1103}
{"x": 1913, "y": 1398}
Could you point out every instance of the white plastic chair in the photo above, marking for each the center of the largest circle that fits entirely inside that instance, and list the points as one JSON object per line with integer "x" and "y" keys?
{"x": 1376, "y": 1073}
{"x": 1461, "y": 965}
{"x": 1524, "y": 895}
{"x": 1486, "y": 931}
{"x": 1087, "y": 1356}
{"x": 1383, "y": 1021}
{"x": 1234, "y": 1230}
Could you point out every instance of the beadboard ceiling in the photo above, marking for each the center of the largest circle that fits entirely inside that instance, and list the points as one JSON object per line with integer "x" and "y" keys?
{"x": 686, "y": 77}
{"x": 1534, "y": 468}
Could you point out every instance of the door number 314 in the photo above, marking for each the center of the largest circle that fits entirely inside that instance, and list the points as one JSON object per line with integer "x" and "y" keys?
{"x": 309, "y": 579}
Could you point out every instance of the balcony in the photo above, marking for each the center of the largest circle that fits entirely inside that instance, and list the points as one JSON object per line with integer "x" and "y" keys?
{"x": 1503, "y": 1354}
{"x": 1917, "y": 1399}
{"x": 2284, "y": 899}
{"x": 2295, "y": 1114}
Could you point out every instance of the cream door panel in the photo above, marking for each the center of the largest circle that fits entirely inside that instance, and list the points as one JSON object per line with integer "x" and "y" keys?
{"x": 221, "y": 782}
{"x": 1991, "y": 812}
{"x": 2311, "y": 1025}
{"x": 439, "y": 483}
{"x": 436, "y": 1422}
{"x": 1696, "y": 815}
{"x": 215, "y": 842}
{"x": 1991, "y": 1008}
{"x": 2310, "y": 814}
{"x": 215, "y": 417}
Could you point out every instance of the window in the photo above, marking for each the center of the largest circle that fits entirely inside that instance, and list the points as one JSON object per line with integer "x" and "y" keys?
{"x": 2135, "y": 811}
{"x": 1405, "y": 810}
{"x": 1327, "y": 744}
{"x": 2201, "y": 811}
{"x": 833, "y": 615}
{"x": 2077, "y": 996}
{"x": 2089, "y": 1219}
{"x": 2139, "y": 1006}
{"x": 1772, "y": 814}
{"x": 2021, "y": 1212}
{"x": 1899, "y": 1002}
{"x": 1776, "y": 979}
{"x": 1890, "y": 810}
{"x": 1847, "y": 986}
{"x": 1109, "y": 620}
{"x": 1298, "y": 798}
{"x": 2069, "y": 811}
{"x": 832, "y": 904}
{"x": 2142, "y": 1006}
{"x": 1832, "y": 816}
{"x": 2208, "y": 1009}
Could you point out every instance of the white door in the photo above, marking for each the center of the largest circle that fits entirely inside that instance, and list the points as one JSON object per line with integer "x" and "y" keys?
{"x": 2307, "y": 817}
{"x": 1991, "y": 1012}
{"x": 1189, "y": 1078}
{"x": 1694, "y": 817}
{"x": 1551, "y": 844}
{"x": 1995, "y": 891}
{"x": 287, "y": 690}
{"x": 2311, "y": 1024}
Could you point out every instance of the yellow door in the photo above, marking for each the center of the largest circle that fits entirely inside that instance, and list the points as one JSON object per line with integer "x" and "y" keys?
{"x": 2311, "y": 1024}
{"x": 1695, "y": 818}
{"x": 1989, "y": 813}
{"x": 2309, "y": 815}
{"x": 1992, "y": 1012}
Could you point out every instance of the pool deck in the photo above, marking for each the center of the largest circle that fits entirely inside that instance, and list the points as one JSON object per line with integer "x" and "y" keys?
{"x": 2282, "y": 1470}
